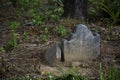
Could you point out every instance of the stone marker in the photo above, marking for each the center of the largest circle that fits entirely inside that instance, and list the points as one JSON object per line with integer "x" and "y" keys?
{"x": 83, "y": 45}
{"x": 53, "y": 54}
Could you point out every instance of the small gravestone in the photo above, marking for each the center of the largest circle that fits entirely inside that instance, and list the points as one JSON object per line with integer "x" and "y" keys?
{"x": 83, "y": 45}
{"x": 53, "y": 54}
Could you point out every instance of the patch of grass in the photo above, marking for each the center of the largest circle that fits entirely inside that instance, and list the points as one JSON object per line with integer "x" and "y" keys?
{"x": 111, "y": 74}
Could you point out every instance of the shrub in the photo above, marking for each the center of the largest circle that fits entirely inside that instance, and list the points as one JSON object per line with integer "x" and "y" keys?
{"x": 108, "y": 9}
{"x": 111, "y": 7}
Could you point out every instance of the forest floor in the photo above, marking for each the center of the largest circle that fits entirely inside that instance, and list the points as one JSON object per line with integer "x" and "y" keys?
{"x": 27, "y": 59}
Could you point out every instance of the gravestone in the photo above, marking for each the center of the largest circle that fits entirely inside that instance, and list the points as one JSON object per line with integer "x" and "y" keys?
{"x": 83, "y": 45}
{"x": 53, "y": 54}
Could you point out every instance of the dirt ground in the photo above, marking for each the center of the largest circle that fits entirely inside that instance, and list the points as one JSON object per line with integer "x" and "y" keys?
{"x": 28, "y": 58}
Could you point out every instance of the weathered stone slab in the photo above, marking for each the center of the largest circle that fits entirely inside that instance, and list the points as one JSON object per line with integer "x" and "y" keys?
{"x": 53, "y": 54}
{"x": 83, "y": 45}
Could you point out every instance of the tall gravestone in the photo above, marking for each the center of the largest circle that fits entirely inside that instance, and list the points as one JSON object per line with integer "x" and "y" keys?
{"x": 83, "y": 45}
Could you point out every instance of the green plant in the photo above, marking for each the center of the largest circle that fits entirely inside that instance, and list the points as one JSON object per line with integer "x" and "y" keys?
{"x": 46, "y": 30}
{"x": 24, "y": 36}
{"x": 54, "y": 10}
{"x": 12, "y": 43}
{"x": 37, "y": 19}
{"x": 111, "y": 73}
{"x": 43, "y": 37}
{"x": 44, "y": 34}
{"x": 71, "y": 74}
{"x": 108, "y": 10}
{"x": 28, "y": 4}
{"x": 14, "y": 25}
{"x": 54, "y": 17}
{"x": 111, "y": 7}
{"x": 61, "y": 30}
{"x": 94, "y": 6}
{"x": 101, "y": 72}
{"x": 30, "y": 10}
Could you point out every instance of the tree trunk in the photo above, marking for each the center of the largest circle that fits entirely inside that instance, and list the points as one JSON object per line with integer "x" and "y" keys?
{"x": 75, "y": 8}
